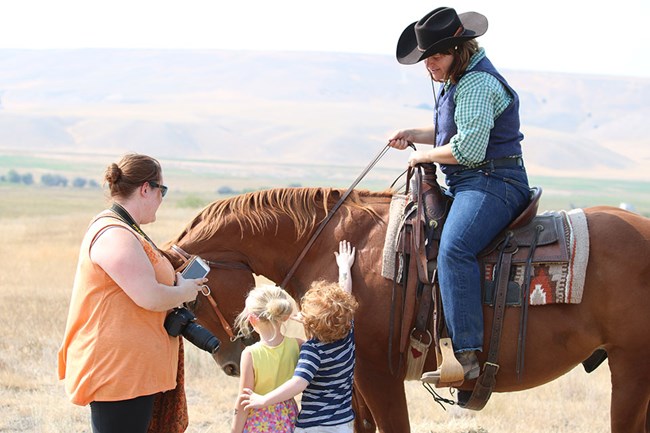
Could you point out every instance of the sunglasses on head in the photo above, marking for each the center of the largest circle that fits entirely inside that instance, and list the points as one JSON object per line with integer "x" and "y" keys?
{"x": 163, "y": 188}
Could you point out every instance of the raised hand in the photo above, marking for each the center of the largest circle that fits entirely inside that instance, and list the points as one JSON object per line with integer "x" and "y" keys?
{"x": 345, "y": 255}
{"x": 345, "y": 260}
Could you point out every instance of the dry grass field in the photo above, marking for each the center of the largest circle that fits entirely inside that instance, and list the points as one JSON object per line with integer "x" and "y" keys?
{"x": 41, "y": 230}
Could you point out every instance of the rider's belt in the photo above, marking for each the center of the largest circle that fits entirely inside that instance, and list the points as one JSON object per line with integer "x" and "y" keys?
{"x": 499, "y": 163}
{"x": 491, "y": 164}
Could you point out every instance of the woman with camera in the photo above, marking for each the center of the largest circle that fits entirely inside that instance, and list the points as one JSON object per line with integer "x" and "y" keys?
{"x": 116, "y": 354}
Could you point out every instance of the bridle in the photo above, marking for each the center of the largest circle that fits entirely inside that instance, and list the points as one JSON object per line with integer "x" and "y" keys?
{"x": 218, "y": 264}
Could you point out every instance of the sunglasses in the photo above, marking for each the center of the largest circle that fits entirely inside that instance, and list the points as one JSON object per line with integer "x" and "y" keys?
{"x": 163, "y": 188}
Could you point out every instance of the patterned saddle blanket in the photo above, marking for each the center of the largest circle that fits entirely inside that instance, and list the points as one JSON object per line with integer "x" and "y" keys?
{"x": 553, "y": 280}
{"x": 557, "y": 274}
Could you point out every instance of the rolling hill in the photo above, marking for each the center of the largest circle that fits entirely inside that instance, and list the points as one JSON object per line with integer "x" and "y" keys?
{"x": 296, "y": 107}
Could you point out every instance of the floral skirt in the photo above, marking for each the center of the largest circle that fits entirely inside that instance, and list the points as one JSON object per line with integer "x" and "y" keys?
{"x": 276, "y": 418}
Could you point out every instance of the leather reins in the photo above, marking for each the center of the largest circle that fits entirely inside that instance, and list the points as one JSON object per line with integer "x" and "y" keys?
{"x": 218, "y": 265}
{"x": 329, "y": 216}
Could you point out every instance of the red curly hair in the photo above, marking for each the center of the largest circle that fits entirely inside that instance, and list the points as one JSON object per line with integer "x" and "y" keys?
{"x": 327, "y": 311}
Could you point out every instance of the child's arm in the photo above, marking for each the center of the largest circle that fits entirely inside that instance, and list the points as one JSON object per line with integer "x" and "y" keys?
{"x": 246, "y": 381}
{"x": 345, "y": 260}
{"x": 289, "y": 389}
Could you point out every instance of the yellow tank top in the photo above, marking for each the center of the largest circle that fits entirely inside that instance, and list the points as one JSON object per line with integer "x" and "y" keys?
{"x": 112, "y": 348}
{"x": 274, "y": 365}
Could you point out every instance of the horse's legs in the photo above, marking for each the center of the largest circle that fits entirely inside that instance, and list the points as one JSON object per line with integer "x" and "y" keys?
{"x": 630, "y": 393}
{"x": 363, "y": 420}
{"x": 384, "y": 395}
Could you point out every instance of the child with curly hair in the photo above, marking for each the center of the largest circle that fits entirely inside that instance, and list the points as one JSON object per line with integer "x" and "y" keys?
{"x": 325, "y": 369}
{"x": 268, "y": 363}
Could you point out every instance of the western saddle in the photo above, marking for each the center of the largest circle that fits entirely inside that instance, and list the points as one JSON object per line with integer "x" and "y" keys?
{"x": 417, "y": 250}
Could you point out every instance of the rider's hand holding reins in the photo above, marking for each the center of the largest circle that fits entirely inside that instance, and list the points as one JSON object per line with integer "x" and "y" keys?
{"x": 406, "y": 137}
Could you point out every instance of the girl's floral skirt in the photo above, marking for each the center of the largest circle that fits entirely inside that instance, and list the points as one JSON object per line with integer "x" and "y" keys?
{"x": 276, "y": 418}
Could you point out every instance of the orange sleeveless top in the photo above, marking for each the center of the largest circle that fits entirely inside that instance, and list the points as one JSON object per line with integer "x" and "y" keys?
{"x": 112, "y": 348}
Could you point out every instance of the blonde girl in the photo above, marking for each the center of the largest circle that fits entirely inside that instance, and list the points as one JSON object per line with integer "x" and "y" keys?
{"x": 325, "y": 370}
{"x": 268, "y": 363}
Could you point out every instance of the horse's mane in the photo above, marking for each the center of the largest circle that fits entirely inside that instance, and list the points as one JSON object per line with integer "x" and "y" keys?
{"x": 257, "y": 210}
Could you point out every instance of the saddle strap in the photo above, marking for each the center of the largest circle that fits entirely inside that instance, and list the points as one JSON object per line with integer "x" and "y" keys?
{"x": 418, "y": 238}
{"x": 525, "y": 292}
{"x": 412, "y": 288}
{"x": 406, "y": 297}
{"x": 425, "y": 308}
{"x": 425, "y": 281}
{"x": 487, "y": 380}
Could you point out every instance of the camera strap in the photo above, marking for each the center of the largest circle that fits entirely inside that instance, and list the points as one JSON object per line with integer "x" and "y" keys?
{"x": 124, "y": 215}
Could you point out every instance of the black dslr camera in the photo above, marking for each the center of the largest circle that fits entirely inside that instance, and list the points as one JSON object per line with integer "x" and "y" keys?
{"x": 182, "y": 321}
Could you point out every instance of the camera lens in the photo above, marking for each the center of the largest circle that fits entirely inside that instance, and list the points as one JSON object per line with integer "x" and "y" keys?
{"x": 181, "y": 320}
{"x": 201, "y": 337}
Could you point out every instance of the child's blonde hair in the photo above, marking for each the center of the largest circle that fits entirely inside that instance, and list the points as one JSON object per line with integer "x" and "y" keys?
{"x": 327, "y": 311}
{"x": 268, "y": 303}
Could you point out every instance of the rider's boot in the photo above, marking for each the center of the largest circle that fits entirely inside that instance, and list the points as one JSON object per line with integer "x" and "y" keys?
{"x": 469, "y": 362}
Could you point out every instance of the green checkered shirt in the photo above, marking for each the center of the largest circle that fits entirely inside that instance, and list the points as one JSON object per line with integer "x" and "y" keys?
{"x": 480, "y": 98}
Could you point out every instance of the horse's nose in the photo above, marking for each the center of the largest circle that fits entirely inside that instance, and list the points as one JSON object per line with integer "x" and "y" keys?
{"x": 231, "y": 369}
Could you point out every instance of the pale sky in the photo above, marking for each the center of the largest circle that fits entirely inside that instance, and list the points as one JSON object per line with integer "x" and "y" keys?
{"x": 575, "y": 36}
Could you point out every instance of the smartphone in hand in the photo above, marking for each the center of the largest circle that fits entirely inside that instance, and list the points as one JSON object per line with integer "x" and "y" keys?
{"x": 196, "y": 268}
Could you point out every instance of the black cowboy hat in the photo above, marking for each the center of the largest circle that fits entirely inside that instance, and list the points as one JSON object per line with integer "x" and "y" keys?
{"x": 436, "y": 32}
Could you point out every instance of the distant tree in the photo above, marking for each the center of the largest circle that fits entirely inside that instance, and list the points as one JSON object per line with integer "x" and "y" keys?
{"x": 225, "y": 190}
{"x": 53, "y": 180}
{"x": 295, "y": 185}
{"x": 92, "y": 183}
{"x": 27, "y": 179}
{"x": 79, "y": 182}
{"x": 48, "y": 180}
{"x": 13, "y": 176}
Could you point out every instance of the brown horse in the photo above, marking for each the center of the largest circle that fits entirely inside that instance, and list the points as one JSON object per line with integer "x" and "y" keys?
{"x": 264, "y": 232}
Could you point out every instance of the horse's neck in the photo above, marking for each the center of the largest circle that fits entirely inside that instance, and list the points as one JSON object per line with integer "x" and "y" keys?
{"x": 273, "y": 251}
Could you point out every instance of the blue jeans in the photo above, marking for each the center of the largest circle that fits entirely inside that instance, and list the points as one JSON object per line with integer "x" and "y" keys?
{"x": 485, "y": 202}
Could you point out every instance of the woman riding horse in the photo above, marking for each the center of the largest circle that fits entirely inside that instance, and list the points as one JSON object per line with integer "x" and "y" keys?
{"x": 477, "y": 142}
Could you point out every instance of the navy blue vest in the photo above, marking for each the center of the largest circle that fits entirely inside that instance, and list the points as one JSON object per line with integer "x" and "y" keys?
{"x": 505, "y": 137}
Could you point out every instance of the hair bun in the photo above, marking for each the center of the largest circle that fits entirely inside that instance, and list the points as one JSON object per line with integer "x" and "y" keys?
{"x": 278, "y": 308}
{"x": 113, "y": 174}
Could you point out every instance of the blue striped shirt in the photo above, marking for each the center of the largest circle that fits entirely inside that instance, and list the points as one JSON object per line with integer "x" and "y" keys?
{"x": 329, "y": 369}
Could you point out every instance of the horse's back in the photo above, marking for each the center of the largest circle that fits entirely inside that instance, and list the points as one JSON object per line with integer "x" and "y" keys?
{"x": 619, "y": 237}
{"x": 618, "y": 273}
